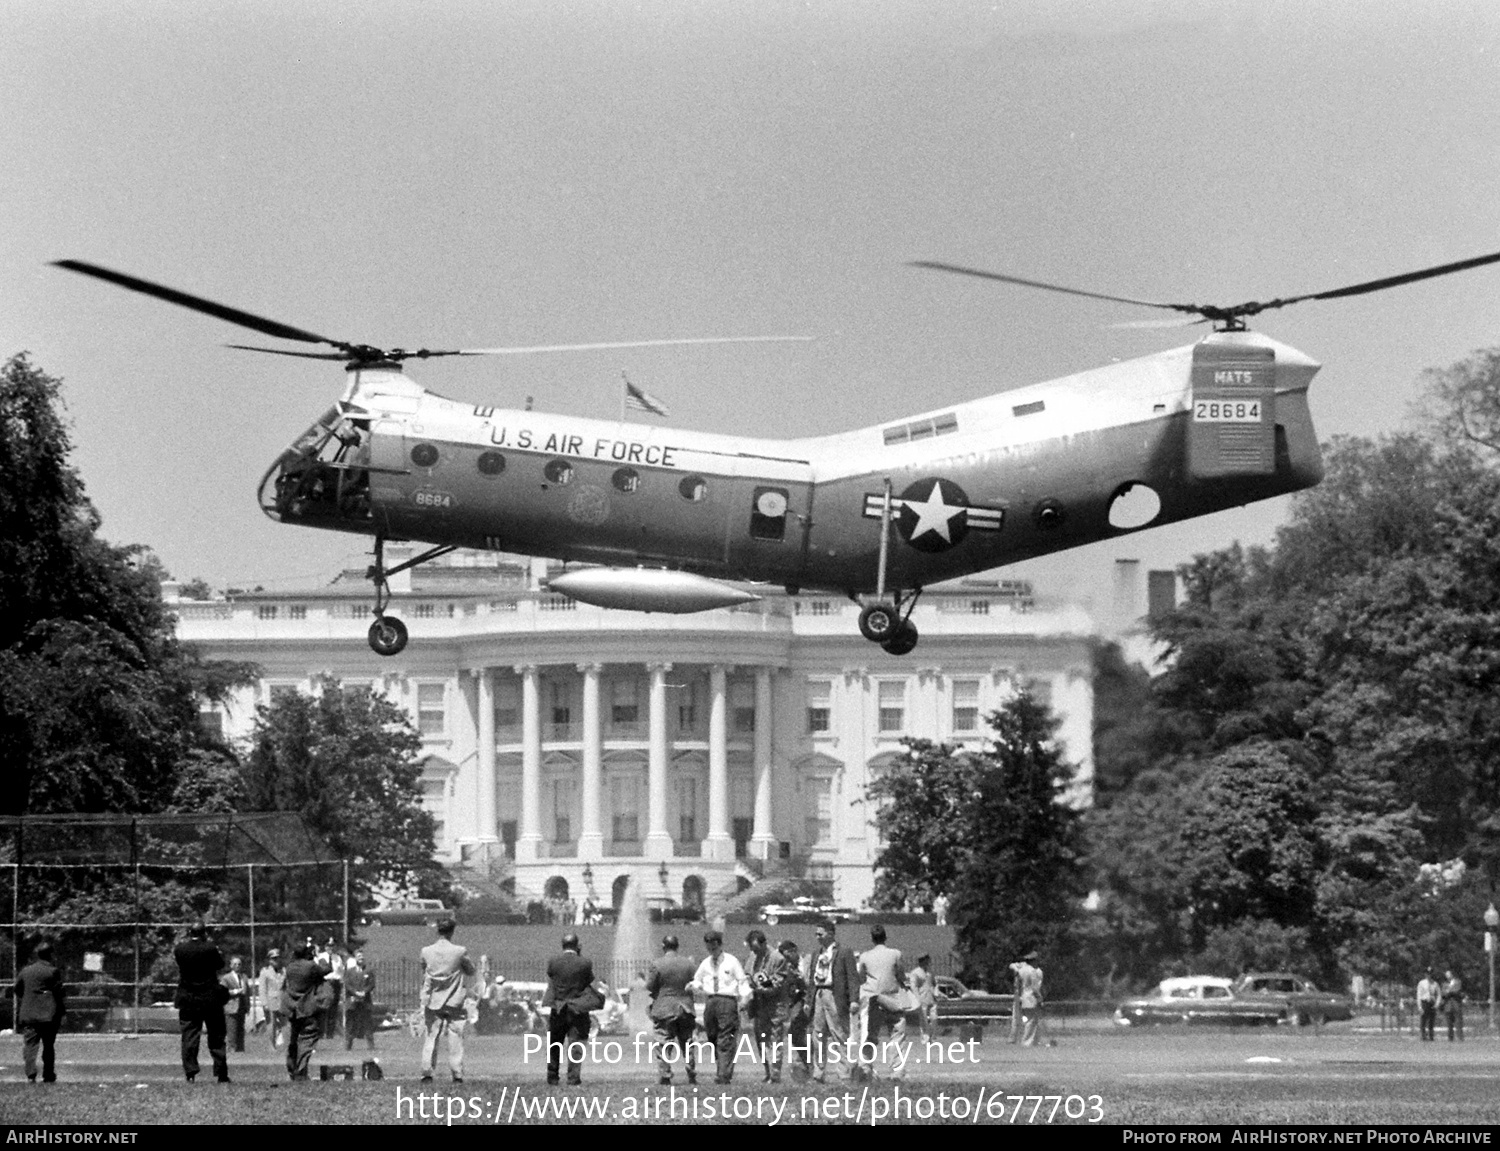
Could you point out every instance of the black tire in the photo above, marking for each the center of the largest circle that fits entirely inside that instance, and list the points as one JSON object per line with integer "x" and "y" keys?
{"x": 903, "y": 641}
{"x": 879, "y": 622}
{"x": 387, "y": 636}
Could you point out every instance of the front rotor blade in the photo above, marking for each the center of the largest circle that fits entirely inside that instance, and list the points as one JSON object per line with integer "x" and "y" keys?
{"x": 983, "y": 275}
{"x": 196, "y": 303}
{"x": 521, "y": 351}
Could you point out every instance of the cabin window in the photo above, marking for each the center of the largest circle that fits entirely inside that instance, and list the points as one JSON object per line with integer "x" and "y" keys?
{"x": 1030, "y": 409}
{"x": 626, "y": 479}
{"x": 424, "y": 455}
{"x": 942, "y": 425}
{"x": 768, "y": 514}
{"x": 694, "y": 489}
{"x": 558, "y": 472}
{"x": 491, "y": 463}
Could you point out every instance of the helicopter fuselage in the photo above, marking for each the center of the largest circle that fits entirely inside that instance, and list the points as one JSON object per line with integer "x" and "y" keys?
{"x": 962, "y": 489}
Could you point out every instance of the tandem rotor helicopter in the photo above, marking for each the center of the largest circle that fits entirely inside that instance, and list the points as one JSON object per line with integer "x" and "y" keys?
{"x": 666, "y": 517}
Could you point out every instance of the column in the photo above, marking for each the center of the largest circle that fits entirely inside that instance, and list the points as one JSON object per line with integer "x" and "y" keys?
{"x": 591, "y": 832}
{"x": 720, "y": 844}
{"x": 658, "y": 843}
{"x": 763, "y": 843}
{"x": 485, "y": 692}
{"x": 529, "y": 842}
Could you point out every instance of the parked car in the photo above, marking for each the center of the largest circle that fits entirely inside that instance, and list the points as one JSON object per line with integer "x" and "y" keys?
{"x": 805, "y": 909}
{"x": 1299, "y": 998}
{"x": 967, "y": 1010}
{"x": 1199, "y": 999}
{"x": 407, "y": 911}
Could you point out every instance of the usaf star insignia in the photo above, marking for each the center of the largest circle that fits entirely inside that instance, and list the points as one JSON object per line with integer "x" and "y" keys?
{"x": 933, "y": 515}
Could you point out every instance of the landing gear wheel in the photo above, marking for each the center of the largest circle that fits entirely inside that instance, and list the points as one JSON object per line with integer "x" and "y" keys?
{"x": 903, "y": 641}
{"x": 387, "y": 635}
{"x": 879, "y": 622}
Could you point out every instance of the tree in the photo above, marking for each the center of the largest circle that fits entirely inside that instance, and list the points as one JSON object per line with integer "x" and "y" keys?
{"x": 1022, "y": 881}
{"x": 988, "y": 830}
{"x": 347, "y": 759}
{"x": 921, "y": 799}
{"x": 98, "y": 701}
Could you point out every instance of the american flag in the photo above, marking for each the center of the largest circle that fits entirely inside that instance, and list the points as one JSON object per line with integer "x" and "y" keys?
{"x": 640, "y": 401}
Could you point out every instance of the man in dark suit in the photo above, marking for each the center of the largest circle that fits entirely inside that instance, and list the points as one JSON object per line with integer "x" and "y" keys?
{"x": 304, "y": 1004}
{"x": 200, "y": 1002}
{"x": 571, "y": 995}
{"x": 833, "y": 983}
{"x": 672, "y": 1009}
{"x": 39, "y": 990}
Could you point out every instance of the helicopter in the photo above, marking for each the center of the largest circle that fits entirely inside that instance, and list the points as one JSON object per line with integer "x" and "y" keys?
{"x": 667, "y": 520}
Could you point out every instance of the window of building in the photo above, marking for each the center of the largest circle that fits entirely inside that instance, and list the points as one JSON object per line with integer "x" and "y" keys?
{"x": 819, "y": 807}
{"x": 1040, "y": 690}
{"x": 432, "y": 708}
{"x": 560, "y": 694}
{"x": 687, "y": 707}
{"x": 296, "y": 611}
{"x": 624, "y": 701}
{"x": 687, "y": 809}
{"x": 625, "y": 809}
{"x": 979, "y": 607}
{"x": 507, "y": 705}
{"x": 211, "y": 723}
{"x": 892, "y": 702}
{"x": 265, "y": 611}
{"x": 819, "y": 705}
{"x": 742, "y": 706}
{"x": 562, "y": 810}
{"x": 965, "y": 705}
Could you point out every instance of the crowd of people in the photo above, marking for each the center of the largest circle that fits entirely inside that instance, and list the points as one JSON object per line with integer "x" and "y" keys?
{"x": 833, "y": 1012}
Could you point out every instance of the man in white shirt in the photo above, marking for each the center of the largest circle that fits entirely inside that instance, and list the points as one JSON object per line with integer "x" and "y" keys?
{"x": 722, "y": 981}
{"x": 1428, "y": 993}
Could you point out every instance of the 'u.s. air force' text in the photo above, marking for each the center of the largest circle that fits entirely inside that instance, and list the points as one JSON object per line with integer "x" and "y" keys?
{"x": 1374, "y": 1136}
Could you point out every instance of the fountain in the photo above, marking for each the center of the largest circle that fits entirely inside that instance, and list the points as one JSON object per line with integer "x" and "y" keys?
{"x": 633, "y": 955}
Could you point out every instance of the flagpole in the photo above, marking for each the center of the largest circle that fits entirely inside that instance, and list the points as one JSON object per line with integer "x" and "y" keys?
{"x": 624, "y": 393}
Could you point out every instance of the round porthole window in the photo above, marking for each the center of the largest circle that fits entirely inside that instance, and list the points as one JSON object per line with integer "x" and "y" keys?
{"x": 558, "y": 472}
{"x": 424, "y": 455}
{"x": 1049, "y": 515}
{"x": 694, "y": 489}
{"x": 626, "y": 479}
{"x": 491, "y": 463}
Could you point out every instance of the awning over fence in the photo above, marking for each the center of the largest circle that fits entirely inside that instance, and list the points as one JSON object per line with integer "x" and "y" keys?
{"x": 183, "y": 840}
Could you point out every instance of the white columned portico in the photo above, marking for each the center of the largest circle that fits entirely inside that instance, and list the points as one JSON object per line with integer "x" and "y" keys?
{"x": 591, "y": 833}
{"x": 658, "y": 842}
{"x": 484, "y": 678}
{"x": 720, "y": 844}
{"x": 762, "y": 838}
{"x": 529, "y": 842}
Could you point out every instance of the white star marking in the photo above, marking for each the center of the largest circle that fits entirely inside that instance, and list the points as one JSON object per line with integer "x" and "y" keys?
{"x": 933, "y": 515}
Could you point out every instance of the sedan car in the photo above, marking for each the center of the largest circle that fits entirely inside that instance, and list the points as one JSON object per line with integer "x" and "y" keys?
{"x": 1299, "y": 999}
{"x": 967, "y": 1009}
{"x": 1199, "y": 999}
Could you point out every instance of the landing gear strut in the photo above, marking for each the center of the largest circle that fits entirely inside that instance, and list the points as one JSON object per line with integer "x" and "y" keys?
{"x": 888, "y": 621}
{"x": 388, "y": 634}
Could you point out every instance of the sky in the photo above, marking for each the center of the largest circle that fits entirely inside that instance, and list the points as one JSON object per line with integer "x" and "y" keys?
{"x": 513, "y": 173}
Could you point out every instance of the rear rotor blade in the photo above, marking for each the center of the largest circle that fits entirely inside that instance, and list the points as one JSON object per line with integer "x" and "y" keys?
{"x": 288, "y": 352}
{"x": 983, "y": 275}
{"x": 1377, "y": 285}
{"x": 197, "y": 303}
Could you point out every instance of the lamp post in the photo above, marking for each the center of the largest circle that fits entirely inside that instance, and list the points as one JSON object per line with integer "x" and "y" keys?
{"x": 1491, "y": 921}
